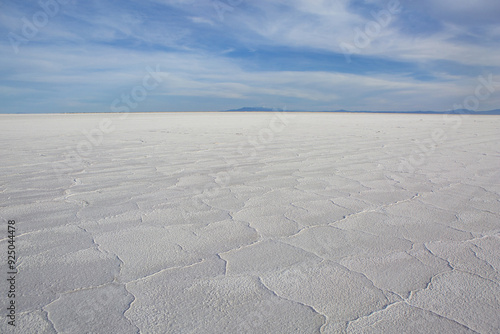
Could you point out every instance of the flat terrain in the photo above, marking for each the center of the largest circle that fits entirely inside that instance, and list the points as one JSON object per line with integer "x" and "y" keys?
{"x": 252, "y": 223}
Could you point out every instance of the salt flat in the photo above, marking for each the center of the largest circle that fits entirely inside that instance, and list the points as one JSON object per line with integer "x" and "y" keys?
{"x": 253, "y": 222}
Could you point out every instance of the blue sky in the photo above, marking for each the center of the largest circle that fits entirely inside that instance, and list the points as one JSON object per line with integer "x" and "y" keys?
{"x": 88, "y": 56}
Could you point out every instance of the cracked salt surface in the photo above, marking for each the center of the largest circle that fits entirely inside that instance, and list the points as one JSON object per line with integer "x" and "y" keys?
{"x": 168, "y": 226}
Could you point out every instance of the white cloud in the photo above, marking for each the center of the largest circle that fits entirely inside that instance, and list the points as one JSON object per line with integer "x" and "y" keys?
{"x": 198, "y": 19}
{"x": 326, "y": 24}
{"x": 93, "y": 69}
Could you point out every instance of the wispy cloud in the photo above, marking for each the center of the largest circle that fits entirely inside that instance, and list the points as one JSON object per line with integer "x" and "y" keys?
{"x": 427, "y": 55}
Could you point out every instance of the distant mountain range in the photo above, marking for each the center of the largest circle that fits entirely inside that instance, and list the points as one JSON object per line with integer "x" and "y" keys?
{"x": 257, "y": 109}
{"x": 459, "y": 111}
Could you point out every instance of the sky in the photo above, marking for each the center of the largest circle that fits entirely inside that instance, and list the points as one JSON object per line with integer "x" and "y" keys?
{"x": 211, "y": 55}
